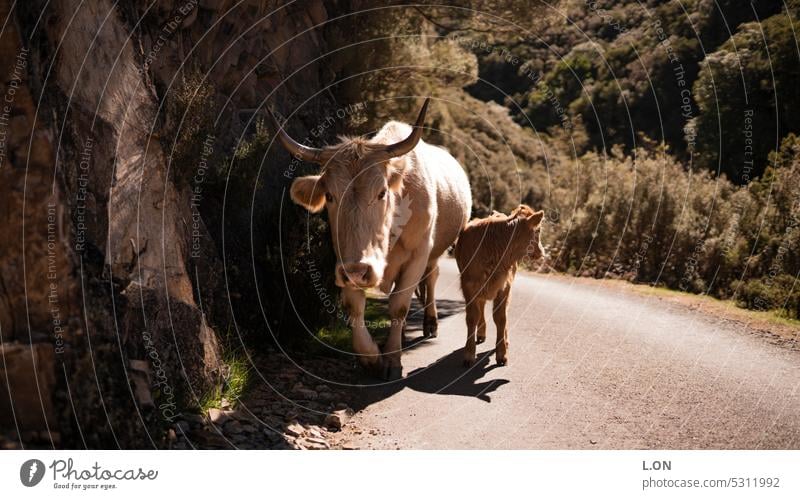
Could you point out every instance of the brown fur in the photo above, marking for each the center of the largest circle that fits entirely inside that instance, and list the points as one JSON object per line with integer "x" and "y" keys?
{"x": 487, "y": 253}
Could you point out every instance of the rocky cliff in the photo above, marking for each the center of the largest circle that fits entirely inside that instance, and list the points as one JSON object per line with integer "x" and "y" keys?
{"x": 113, "y": 296}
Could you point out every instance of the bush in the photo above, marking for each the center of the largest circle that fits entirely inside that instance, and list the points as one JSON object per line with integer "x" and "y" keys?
{"x": 646, "y": 219}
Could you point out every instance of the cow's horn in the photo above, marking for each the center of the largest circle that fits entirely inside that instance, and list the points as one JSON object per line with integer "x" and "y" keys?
{"x": 411, "y": 141}
{"x": 310, "y": 154}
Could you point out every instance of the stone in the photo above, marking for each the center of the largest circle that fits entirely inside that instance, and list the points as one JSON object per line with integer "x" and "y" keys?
{"x": 141, "y": 388}
{"x": 233, "y": 427}
{"x": 316, "y": 443}
{"x": 193, "y": 419}
{"x": 295, "y": 430}
{"x": 337, "y": 419}
{"x": 207, "y": 439}
{"x": 306, "y": 394}
{"x": 139, "y": 365}
{"x": 217, "y": 416}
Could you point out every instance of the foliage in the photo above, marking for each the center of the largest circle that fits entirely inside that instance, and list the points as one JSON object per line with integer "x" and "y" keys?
{"x": 747, "y": 98}
{"x": 646, "y": 219}
{"x": 627, "y": 69}
{"x": 621, "y": 99}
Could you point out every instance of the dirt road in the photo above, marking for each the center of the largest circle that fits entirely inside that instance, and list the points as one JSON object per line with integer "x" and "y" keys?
{"x": 590, "y": 368}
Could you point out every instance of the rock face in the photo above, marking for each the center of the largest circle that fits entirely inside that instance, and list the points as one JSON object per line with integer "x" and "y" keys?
{"x": 30, "y": 380}
{"x": 101, "y": 242}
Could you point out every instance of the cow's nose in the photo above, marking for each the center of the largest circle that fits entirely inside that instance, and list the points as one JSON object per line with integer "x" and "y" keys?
{"x": 355, "y": 274}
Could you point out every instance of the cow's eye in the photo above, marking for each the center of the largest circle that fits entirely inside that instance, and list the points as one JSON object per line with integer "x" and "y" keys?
{"x": 329, "y": 197}
{"x": 382, "y": 194}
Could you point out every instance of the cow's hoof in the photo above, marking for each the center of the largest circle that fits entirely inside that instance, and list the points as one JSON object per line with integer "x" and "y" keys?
{"x": 374, "y": 367}
{"x": 502, "y": 362}
{"x": 479, "y": 340}
{"x": 392, "y": 373}
{"x": 469, "y": 362}
{"x": 430, "y": 330}
{"x": 430, "y": 327}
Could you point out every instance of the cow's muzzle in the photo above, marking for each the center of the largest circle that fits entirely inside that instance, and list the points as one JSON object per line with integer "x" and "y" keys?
{"x": 357, "y": 275}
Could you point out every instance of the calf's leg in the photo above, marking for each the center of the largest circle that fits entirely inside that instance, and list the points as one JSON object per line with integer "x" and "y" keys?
{"x": 430, "y": 321}
{"x": 481, "y": 326}
{"x": 474, "y": 312}
{"x": 500, "y": 306}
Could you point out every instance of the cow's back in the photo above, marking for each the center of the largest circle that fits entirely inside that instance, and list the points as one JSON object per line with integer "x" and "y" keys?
{"x": 436, "y": 184}
{"x": 453, "y": 196}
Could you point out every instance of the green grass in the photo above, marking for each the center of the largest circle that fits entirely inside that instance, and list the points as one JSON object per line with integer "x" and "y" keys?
{"x": 236, "y": 378}
{"x": 773, "y": 316}
{"x": 730, "y": 307}
{"x": 233, "y": 386}
{"x": 338, "y": 337}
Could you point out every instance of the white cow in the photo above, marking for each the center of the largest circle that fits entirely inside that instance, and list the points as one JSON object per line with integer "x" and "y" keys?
{"x": 395, "y": 204}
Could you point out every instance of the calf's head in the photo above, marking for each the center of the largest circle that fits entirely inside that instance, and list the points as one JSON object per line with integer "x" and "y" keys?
{"x": 527, "y": 226}
{"x": 359, "y": 186}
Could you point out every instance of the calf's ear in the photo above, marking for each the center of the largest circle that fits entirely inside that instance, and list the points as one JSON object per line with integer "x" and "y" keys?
{"x": 536, "y": 218}
{"x": 309, "y": 192}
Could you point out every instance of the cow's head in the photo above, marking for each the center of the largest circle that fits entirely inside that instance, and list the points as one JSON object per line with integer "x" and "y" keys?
{"x": 359, "y": 185}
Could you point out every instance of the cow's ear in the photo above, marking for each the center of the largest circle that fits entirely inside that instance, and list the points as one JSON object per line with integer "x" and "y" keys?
{"x": 395, "y": 169}
{"x": 309, "y": 192}
{"x": 535, "y": 219}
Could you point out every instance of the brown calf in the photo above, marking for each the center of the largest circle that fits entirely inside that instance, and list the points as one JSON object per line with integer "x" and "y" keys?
{"x": 487, "y": 254}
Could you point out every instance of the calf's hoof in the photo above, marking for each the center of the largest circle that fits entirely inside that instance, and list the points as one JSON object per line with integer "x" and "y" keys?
{"x": 469, "y": 362}
{"x": 502, "y": 362}
{"x": 480, "y": 339}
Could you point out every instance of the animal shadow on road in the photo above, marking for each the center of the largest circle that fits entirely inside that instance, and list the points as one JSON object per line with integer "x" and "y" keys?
{"x": 413, "y": 334}
{"x": 446, "y": 376}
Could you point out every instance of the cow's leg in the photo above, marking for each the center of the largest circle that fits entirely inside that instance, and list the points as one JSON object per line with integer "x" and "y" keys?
{"x": 474, "y": 312}
{"x": 500, "y": 306}
{"x": 430, "y": 321}
{"x": 369, "y": 355}
{"x": 399, "y": 303}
